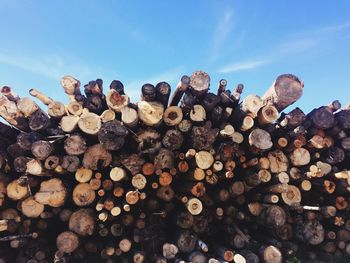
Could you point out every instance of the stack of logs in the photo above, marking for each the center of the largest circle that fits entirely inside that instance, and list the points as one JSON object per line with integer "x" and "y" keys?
{"x": 214, "y": 179}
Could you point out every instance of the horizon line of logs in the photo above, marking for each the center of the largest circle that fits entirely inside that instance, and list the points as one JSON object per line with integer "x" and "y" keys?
{"x": 192, "y": 176}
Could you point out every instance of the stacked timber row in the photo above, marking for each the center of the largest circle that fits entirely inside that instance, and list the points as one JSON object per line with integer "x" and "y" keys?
{"x": 196, "y": 176}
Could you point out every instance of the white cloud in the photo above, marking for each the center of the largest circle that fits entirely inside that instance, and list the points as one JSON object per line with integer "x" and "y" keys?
{"x": 222, "y": 31}
{"x": 244, "y": 65}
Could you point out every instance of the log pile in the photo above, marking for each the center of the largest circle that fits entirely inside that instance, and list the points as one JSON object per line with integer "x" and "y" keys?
{"x": 199, "y": 176}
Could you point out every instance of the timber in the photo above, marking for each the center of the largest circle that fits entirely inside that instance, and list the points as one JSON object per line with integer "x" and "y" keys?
{"x": 198, "y": 176}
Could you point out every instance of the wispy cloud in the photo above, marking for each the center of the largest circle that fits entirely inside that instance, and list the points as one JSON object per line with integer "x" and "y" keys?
{"x": 296, "y": 46}
{"x": 52, "y": 66}
{"x": 222, "y": 31}
{"x": 243, "y": 65}
{"x": 169, "y": 76}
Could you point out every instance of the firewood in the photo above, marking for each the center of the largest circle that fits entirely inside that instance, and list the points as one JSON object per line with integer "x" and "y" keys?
{"x": 67, "y": 242}
{"x": 267, "y": 114}
{"x": 272, "y": 254}
{"x": 52, "y": 192}
{"x": 251, "y": 105}
{"x": 82, "y": 222}
{"x": 95, "y": 154}
{"x": 90, "y": 123}
{"x": 31, "y": 208}
{"x": 163, "y": 93}
{"x": 112, "y": 135}
{"x": 199, "y": 83}
{"x": 116, "y": 101}
{"x": 15, "y": 191}
{"x": 286, "y": 89}
{"x": 83, "y": 194}
{"x": 129, "y": 117}
{"x": 181, "y": 87}
{"x": 172, "y": 115}
{"x": 260, "y": 139}
{"x": 150, "y": 113}
{"x": 69, "y": 123}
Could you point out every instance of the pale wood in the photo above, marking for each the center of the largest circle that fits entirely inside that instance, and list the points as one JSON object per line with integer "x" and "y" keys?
{"x": 267, "y": 114}
{"x": 260, "y": 139}
{"x": 90, "y": 123}
{"x": 199, "y": 174}
{"x": 247, "y": 123}
{"x": 264, "y": 175}
{"x": 194, "y": 206}
{"x": 292, "y": 196}
{"x": 227, "y": 131}
{"x": 67, "y": 242}
{"x": 300, "y": 157}
{"x": 185, "y": 126}
{"x": 251, "y": 105}
{"x": 71, "y": 86}
{"x": 15, "y": 191}
{"x": 278, "y": 161}
{"x": 69, "y": 123}
{"x": 9, "y": 111}
{"x": 150, "y": 112}
{"x": 272, "y": 254}
{"x": 83, "y": 175}
{"x": 27, "y": 106}
{"x": 52, "y": 192}
{"x": 237, "y": 137}
{"x": 172, "y": 115}
{"x": 83, "y": 194}
{"x": 285, "y": 90}
{"x": 125, "y": 245}
{"x": 198, "y": 113}
{"x": 56, "y": 109}
{"x": 31, "y": 208}
{"x": 139, "y": 181}
{"x": 10, "y": 94}
{"x": 204, "y": 159}
{"x": 34, "y": 167}
{"x": 130, "y": 117}
{"x": 170, "y": 251}
{"x": 116, "y": 101}
{"x": 132, "y": 197}
{"x": 200, "y": 82}
{"x": 82, "y": 222}
{"x": 75, "y": 108}
{"x": 107, "y": 115}
{"x": 117, "y": 174}
{"x": 41, "y": 96}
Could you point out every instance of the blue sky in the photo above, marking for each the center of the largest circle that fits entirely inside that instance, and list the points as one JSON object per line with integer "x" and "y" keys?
{"x": 249, "y": 42}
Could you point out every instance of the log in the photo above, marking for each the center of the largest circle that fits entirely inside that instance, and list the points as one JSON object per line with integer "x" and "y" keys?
{"x": 82, "y": 222}
{"x": 181, "y": 87}
{"x": 272, "y": 254}
{"x": 52, "y": 192}
{"x": 199, "y": 82}
{"x": 90, "y": 123}
{"x": 116, "y": 101}
{"x": 112, "y": 135}
{"x": 67, "y": 242}
{"x": 173, "y": 115}
{"x": 285, "y": 90}
{"x": 150, "y": 113}
{"x": 96, "y": 154}
{"x": 31, "y": 208}
{"x": 83, "y": 194}
{"x": 130, "y": 117}
{"x": 163, "y": 90}
{"x": 260, "y": 139}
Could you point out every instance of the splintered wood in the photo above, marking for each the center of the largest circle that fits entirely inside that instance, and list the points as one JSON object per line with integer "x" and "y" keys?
{"x": 199, "y": 176}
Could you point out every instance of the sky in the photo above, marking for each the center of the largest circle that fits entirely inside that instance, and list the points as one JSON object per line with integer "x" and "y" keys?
{"x": 137, "y": 42}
